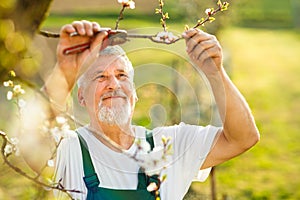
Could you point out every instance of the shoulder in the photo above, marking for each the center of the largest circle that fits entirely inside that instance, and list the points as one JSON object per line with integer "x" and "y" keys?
{"x": 68, "y": 150}
{"x": 68, "y": 140}
{"x": 183, "y": 128}
{"x": 184, "y": 136}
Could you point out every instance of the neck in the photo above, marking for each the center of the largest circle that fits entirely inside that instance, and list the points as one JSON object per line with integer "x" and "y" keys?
{"x": 122, "y": 137}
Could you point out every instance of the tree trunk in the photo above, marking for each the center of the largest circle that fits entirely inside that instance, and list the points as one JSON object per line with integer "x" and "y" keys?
{"x": 29, "y": 14}
{"x": 19, "y": 21}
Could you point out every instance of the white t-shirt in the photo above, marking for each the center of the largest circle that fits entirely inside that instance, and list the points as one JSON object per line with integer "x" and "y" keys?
{"x": 190, "y": 144}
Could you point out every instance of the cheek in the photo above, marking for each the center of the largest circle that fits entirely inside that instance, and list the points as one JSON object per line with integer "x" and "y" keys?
{"x": 132, "y": 97}
{"x": 129, "y": 90}
{"x": 93, "y": 96}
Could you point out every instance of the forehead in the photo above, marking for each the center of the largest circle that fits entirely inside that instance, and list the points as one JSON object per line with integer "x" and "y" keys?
{"x": 109, "y": 63}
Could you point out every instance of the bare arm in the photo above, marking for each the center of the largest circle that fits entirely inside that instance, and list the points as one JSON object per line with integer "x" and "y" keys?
{"x": 59, "y": 85}
{"x": 69, "y": 67}
{"x": 239, "y": 131}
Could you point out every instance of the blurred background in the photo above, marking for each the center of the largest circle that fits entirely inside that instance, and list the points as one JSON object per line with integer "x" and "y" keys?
{"x": 261, "y": 43}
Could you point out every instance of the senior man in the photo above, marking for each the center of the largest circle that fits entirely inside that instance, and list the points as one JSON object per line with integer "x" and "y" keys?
{"x": 88, "y": 162}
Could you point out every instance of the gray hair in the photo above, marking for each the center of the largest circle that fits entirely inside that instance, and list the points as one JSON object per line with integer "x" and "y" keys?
{"x": 109, "y": 51}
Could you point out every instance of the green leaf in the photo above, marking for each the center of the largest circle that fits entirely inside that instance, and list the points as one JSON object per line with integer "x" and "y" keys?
{"x": 211, "y": 19}
{"x": 166, "y": 15}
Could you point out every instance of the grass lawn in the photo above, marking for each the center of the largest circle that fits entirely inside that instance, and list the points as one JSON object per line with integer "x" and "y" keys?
{"x": 265, "y": 66}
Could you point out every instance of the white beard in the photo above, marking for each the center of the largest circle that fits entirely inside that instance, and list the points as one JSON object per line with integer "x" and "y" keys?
{"x": 115, "y": 115}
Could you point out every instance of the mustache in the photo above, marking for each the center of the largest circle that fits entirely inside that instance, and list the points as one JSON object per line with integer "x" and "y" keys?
{"x": 115, "y": 93}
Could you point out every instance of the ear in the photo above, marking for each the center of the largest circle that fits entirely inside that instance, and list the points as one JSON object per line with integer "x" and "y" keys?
{"x": 135, "y": 94}
{"x": 80, "y": 97}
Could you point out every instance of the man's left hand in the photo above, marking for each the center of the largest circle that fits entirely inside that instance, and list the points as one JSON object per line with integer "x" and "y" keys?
{"x": 204, "y": 50}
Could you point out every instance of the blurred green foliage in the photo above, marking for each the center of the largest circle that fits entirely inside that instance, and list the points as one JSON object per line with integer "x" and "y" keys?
{"x": 266, "y": 70}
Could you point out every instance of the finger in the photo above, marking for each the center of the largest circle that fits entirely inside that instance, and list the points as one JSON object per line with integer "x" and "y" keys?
{"x": 189, "y": 33}
{"x": 201, "y": 47}
{"x": 210, "y": 53}
{"x": 196, "y": 39}
{"x": 96, "y": 27}
{"x": 79, "y": 27}
{"x": 67, "y": 29}
{"x": 99, "y": 41}
{"x": 88, "y": 27}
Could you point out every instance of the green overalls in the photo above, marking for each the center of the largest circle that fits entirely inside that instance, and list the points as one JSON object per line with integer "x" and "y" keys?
{"x": 98, "y": 193}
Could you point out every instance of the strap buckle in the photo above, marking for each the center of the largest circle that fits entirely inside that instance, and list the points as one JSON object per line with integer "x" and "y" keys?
{"x": 92, "y": 182}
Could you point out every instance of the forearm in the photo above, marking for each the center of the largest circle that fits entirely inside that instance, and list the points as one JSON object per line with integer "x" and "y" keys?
{"x": 57, "y": 90}
{"x": 238, "y": 123}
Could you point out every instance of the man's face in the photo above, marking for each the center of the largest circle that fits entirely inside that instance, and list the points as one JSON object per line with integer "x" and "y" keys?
{"x": 108, "y": 92}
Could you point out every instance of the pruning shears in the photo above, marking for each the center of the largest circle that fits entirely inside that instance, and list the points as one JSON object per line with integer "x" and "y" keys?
{"x": 114, "y": 37}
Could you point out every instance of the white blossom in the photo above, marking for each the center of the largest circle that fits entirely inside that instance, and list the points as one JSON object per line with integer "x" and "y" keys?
{"x": 9, "y": 95}
{"x": 14, "y": 141}
{"x": 8, "y": 149}
{"x": 208, "y": 11}
{"x": 143, "y": 145}
{"x": 131, "y": 4}
{"x": 18, "y": 89}
{"x": 59, "y": 132}
{"x": 152, "y": 187}
{"x": 166, "y": 37}
{"x": 50, "y": 163}
{"x": 56, "y": 133}
{"x": 17, "y": 151}
{"x": 123, "y": 1}
{"x": 61, "y": 120}
{"x": 12, "y": 147}
{"x": 21, "y": 103}
{"x": 65, "y": 127}
{"x": 127, "y": 3}
{"x": 154, "y": 161}
{"x": 8, "y": 83}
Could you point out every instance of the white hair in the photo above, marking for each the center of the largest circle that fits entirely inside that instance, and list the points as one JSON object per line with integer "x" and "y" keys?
{"x": 109, "y": 51}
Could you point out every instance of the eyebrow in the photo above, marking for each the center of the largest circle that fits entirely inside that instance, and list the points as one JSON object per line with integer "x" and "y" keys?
{"x": 94, "y": 75}
{"x": 121, "y": 70}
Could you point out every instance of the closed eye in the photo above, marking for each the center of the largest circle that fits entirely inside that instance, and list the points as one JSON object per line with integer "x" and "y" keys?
{"x": 100, "y": 77}
{"x": 122, "y": 75}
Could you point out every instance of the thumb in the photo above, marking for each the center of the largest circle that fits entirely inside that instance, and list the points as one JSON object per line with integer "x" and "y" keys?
{"x": 100, "y": 42}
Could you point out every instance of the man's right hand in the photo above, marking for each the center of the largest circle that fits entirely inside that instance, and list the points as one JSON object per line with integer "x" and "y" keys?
{"x": 73, "y": 65}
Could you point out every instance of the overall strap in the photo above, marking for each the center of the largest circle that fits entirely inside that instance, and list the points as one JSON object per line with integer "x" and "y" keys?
{"x": 91, "y": 179}
{"x": 149, "y": 179}
{"x": 149, "y": 139}
{"x": 145, "y": 180}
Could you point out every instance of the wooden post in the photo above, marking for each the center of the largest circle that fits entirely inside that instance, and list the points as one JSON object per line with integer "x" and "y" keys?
{"x": 213, "y": 184}
{"x": 295, "y": 6}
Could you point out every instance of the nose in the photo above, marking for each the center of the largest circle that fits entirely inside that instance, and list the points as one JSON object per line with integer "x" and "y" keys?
{"x": 113, "y": 83}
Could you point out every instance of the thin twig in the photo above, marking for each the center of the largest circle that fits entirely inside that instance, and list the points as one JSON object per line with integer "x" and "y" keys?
{"x": 51, "y": 158}
{"x": 120, "y": 17}
{"x": 22, "y": 173}
{"x": 221, "y": 7}
{"x": 164, "y": 16}
{"x": 49, "y": 34}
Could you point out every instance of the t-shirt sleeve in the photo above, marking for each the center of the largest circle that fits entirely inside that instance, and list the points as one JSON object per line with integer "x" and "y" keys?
{"x": 191, "y": 145}
{"x": 68, "y": 163}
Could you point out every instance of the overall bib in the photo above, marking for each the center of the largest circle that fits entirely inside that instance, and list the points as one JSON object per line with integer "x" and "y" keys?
{"x": 98, "y": 193}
